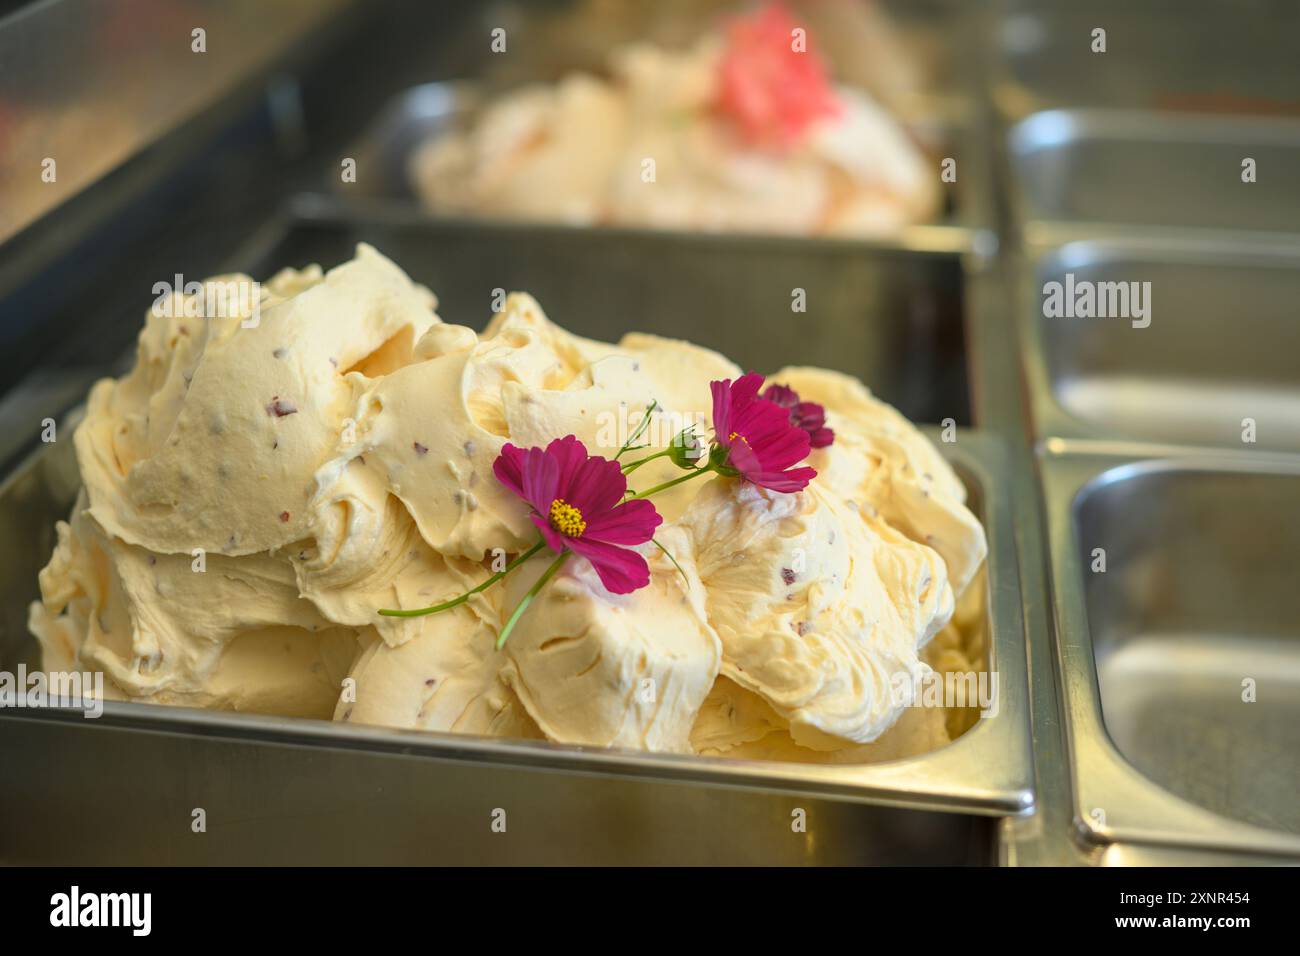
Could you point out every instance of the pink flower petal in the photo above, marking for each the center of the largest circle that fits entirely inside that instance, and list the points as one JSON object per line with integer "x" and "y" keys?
{"x": 632, "y": 522}
{"x": 541, "y": 479}
{"x": 741, "y": 456}
{"x": 761, "y": 422}
{"x": 721, "y": 392}
{"x": 569, "y": 455}
{"x": 745, "y": 389}
{"x": 621, "y": 570}
{"x": 596, "y": 486}
{"x": 771, "y": 91}
{"x": 554, "y": 540}
{"x": 783, "y": 481}
{"x": 731, "y": 400}
{"x": 509, "y": 468}
{"x": 786, "y": 449}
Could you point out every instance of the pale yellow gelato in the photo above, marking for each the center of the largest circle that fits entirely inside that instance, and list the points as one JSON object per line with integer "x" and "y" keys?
{"x": 257, "y": 491}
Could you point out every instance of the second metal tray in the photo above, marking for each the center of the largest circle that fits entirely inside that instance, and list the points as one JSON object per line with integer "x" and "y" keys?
{"x": 1156, "y": 170}
{"x": 1173, "y": 580}
{"x": 893, "y": 317}
{"x": 1213, "y": 367}
{"x": 987, "y": 770}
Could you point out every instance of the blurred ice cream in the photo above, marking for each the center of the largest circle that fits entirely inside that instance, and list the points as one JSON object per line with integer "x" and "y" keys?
{"x": 740, "y": 132}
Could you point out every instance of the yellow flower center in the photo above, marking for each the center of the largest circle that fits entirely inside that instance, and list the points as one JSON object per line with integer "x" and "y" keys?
{"x": 567, "y": 519}
{"x": 734, "y": 435}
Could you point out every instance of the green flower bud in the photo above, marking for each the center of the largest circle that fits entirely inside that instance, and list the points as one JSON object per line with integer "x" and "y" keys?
{"x": 718, "y": 461}
{"x": 686, "y": 450}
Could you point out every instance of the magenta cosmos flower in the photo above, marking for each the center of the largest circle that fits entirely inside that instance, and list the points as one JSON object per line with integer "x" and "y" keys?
{"x": 809, "y": 416}
{"x": 754, "y": 439}
{"x": 578, "y": 505}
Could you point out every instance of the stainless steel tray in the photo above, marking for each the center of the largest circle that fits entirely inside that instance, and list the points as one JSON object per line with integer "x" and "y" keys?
{"x": 987, "y": 770}
{"x": 384, "y": 151}
{"x": 1160, "y": 54}
{"x": 1197, "y": 597}
{"x": 1220, "y": 347}
{"x": 894, "y": 316}
{"x": 1158, "y": 767}
{"x": 287, "y": 789}
{"x": 1155, "y": 170}
{"x": 123, "y": 793}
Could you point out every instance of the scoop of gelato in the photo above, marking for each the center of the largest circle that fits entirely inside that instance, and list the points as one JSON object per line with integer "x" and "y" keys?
{"x": 884, "y": 466}
{"x": 175, "y": 575}
{"x": 212, "y": 440}
{"x": 211, "y": 631}
{"x": 615, "y": 670}
{"x": 821, "y": 611}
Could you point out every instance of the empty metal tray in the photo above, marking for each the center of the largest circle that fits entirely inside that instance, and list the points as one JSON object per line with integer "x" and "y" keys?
{"x": 1160, "y": 54}
{"x": 1154, "y": 169}
{"x": 1216, "y": 362}
{"x": 1180, "y": 661}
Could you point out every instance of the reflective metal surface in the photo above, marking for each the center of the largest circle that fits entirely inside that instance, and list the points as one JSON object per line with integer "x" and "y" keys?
{"x": 1216, "y": 366}
{"x": 1115, "y": 195}
{"x": 380, "y": 784}
{"x": 1199, "y": 55}
{"x": 100, "y": 792}
{"x": 986, "y": 771}
{"x": 1156, "y": 170}
{"x": 891, "y": 314}
{"x": 1180, "y": 661}
{"x": 1142, "y": 750}
{"x": 89, "y": 84}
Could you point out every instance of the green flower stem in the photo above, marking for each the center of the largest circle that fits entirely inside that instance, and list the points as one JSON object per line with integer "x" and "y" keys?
{"x": 674, "y": 561}
{"x": 668, "y": 484}
{"x": 632, "y": 466}
{"x": 528, "y": 598}
{"x": 455, "y": 602}
{"x": 645, "y": 422}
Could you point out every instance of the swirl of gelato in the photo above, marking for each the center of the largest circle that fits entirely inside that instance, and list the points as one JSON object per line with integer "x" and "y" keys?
{"x": 629, "y": 670}
{"x": 212, "y": 440}
{"x": 820, "y": 611}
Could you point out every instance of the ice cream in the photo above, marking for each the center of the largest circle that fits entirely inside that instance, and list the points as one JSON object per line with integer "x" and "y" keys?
{"x": 256, "y": 492}
{"x": 881, "y": 463}
{"x": 737, "y": 133}
{"x": 627, "y": 671}
{"x": 817, "y": 608}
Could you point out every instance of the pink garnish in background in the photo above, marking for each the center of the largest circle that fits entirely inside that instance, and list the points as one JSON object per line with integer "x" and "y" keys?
{"x": 772, "y": 91}
{"x": 757, "y": 437}
{"x": 809, "y": 416}
{"x": 578, "y": 506}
